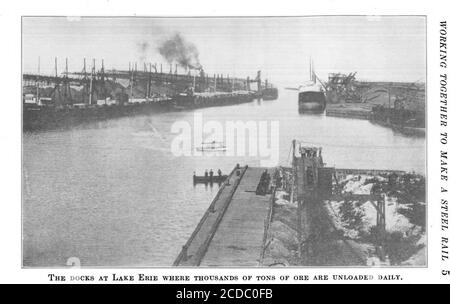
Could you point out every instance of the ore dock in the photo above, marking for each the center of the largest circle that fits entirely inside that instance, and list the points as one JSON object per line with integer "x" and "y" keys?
{"x": 287, "y": 216}
{"x": 70, "y": 98}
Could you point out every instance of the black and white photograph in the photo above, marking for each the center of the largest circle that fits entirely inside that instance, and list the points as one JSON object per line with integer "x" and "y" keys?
{"x": 224, "y": 142}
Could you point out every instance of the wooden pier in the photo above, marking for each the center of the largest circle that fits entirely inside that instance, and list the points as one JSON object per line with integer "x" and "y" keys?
{"x": 232, "y": 230}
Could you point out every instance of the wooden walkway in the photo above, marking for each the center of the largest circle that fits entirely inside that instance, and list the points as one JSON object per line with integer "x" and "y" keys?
{"x": 232, "y": 230}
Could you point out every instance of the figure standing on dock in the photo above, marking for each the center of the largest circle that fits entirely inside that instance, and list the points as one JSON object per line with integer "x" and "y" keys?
{"x": 211, "y": 173}
{"x": 219, "y": 172}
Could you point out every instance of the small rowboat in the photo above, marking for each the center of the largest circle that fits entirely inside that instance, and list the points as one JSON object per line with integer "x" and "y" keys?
{"x": 212, "y": 146}
{"x": 209, "y": 179}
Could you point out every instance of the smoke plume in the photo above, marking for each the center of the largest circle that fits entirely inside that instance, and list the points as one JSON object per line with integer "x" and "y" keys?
{"x": 177, "y": 49}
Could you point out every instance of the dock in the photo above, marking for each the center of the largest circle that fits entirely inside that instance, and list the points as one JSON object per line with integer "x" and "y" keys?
{"x": 232, "y": 230}
{"x": 271, "y": 217}
{"x": 68, "y": 98}
{"x": 348, "y": 112}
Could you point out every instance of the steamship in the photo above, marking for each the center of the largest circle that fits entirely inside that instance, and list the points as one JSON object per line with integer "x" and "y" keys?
{"x": 311, "y": 95}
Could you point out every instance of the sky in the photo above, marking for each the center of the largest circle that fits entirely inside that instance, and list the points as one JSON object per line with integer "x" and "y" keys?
{"x": 378, "y": 48}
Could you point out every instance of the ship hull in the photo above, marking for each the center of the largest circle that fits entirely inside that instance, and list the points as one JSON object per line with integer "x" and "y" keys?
{"x": 270, "y": 94}
{"x": 47, "y": 118}
{"x": 311, "y": 102}
{"x": 37, "y": 118}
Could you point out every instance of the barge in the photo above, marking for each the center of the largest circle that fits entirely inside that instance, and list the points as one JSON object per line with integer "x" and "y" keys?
{"x": 199, "y": 179}
{"x": 44, "y": 117}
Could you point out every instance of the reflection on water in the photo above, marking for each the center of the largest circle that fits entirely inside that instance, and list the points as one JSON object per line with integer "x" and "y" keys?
{"x": 111, "y": 193}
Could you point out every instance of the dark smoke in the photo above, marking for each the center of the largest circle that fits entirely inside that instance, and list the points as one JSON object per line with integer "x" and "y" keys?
{"x": 177, "y": 49}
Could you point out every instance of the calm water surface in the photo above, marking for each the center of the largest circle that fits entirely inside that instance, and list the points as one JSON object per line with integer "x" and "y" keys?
{"x": 112, "y": 194}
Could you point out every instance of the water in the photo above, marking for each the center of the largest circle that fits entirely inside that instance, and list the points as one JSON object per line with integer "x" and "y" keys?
{"x": 112, "y": 194}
